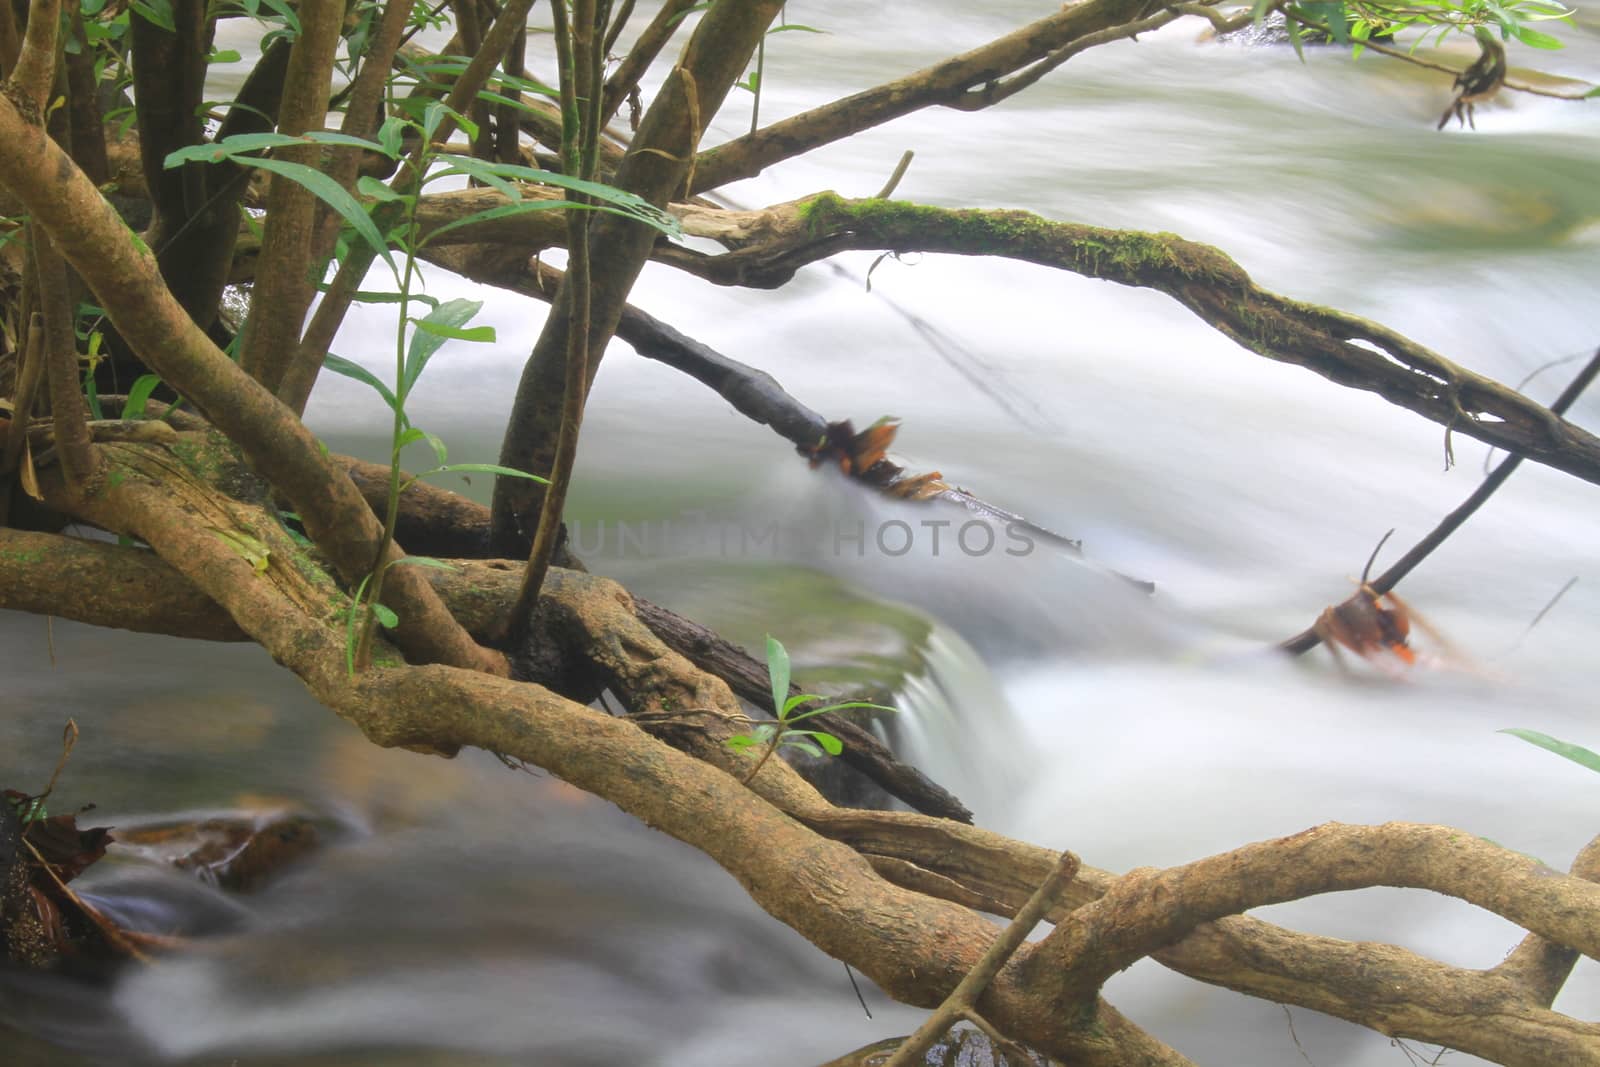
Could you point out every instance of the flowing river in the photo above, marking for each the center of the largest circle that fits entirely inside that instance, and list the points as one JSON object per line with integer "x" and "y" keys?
{"x": 471, "y": 914}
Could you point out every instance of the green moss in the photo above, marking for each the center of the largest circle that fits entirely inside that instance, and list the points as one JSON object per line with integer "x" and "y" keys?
{"x": 19, "y": 556}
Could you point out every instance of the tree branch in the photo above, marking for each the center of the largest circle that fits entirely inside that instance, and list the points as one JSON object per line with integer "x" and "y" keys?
{"x": 1309, "y": 638}
{"x": 123, "y": 274}
{"x": 947, "y": 83}
{"x": 1148, "y": 910}
{"x": 769, "y": 246}
{"x": 284, "y": 282}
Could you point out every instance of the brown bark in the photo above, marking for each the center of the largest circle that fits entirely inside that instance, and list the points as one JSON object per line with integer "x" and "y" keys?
{"x": 948, "y": 82}
{"x": 1487, "y": 1013}
{"x": 123, "y": 274}
{"x": 654, "y": 168}
{"x": 335, "y": 303}
{"x": 284, "y": 272}
{"x": 767, "y": 247}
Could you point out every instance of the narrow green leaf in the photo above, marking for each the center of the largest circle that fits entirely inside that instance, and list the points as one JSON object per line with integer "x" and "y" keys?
{"x": 1259, "y": 11}
{"x": 434, "y": 117}
{"x": 1535, "y": 39}
{"x": 486, "y": 468}
{"x": 227, "y": 55}
{"x": 626, "y": 203}
{"x": 333, "y": 194}
{"x": 1576, "y": 753}
{"x": 1296, "y": 36}
{"x": 91, "y": 393}
{"x": 287, "y": 13}
{"x": 778, "y": 671}
{"x": 796, "y": 27}
{"x": 1329, "y": 13}
{"x": 517, "y": 207}
{"x": 850, "y": 706}
{"x": 386, "y": 618}
{"x": 158, "y": 12}
{"x": 450, "y": 333}
{"x": 390, "y": 135}
{"x": 833, "y": 745}
{"x": 340, "y": 365}
{"x": 139, "y": 394}
{"x": 484, "y": 171}
{"x": 367, "y": 185}
{"x": 799, "y": 741}
{"x": 440, "y": 453}
{"x": 344, "y": 140}
{"x": 798, "y": 699}
{"x": 422, "y": 561}
{"x": 431, "y": 333}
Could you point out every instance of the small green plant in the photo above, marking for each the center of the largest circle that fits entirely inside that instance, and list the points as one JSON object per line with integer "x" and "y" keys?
{"x": 753, "y": 81}
{"x": 1566, "y": 749}
{"x": 768, "y": 737}
{"x": 387, "y": 223}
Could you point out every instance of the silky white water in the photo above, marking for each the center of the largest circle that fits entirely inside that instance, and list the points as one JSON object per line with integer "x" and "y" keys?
{"x": 493, "y": 917}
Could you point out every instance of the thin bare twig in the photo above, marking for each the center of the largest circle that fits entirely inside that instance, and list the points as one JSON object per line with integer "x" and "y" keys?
{"x": 960, "y": 1003}
{"x": 1308, "y": 639}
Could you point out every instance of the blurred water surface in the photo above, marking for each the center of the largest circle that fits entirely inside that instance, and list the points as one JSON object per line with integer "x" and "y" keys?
{"x": 479, "y": 916}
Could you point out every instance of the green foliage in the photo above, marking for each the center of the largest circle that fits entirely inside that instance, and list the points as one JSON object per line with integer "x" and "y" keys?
{"x": 767, "y": 737}
{"x": 1576, "y": 753}
{"x": 139, "y": 395}
{"x": 1355, "y": 22}
{"x": 752, "y": 81}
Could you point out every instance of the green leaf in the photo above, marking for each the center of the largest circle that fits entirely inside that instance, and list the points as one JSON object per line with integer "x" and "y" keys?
{"x": 797, "y": 740}
{"x": 287, "y": 13}
{"x": 1592, "y": 92}
{"x": 227, "y": 55}
{"x": 1331, "y": 14}
{"x": 91, "y": 393}
{"x": 849, "y": 706}
{"x": 410, "y": 436}
{"x": 794, "y": 26}
{"x": 422, "y": 561}
{"x": 741, "y": 742}
{"x": 1296, "y": 37}
{"x": 1576, "y": 753}
{"x": 609, "y": 198}
{"x": 518, "y": 207}
{"x": 241, "y": 143}
{"x": 333, "y": 194}
{"x": 158, "y": 12}
{"x": 367, "y": 185}
{"x": 450, "y": 333}
{"x": 343, "y": 140}
{"x": 1259, "y": 11}
{"x": 1535, "y": 39}
{"x": 832, "y": 744}
{"x": 486, "y": 468}
{"x": 386, "y": 618}
{"x": 340, "y": 365}
{"x": 440, "y": 325}
{"x": 798, "y": 699}
{"x": 434, "y": 117}
{"x": 483, "y": 170}
{"x": 390, "y": 135}
{"x": 139, "y": 394}
{"x": 778, "y": 671}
